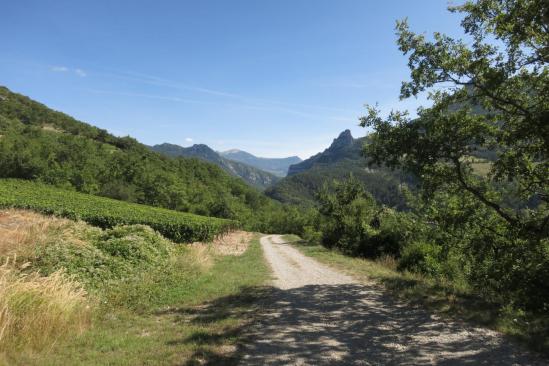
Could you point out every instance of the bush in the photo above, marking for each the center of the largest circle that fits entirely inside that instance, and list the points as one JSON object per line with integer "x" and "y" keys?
{"x": 421, "y": 257}
{"x": 311, "y": 235}
{"x": 355, "y": 224}
{"x": 106, "y": 256}
{"x": 137, "y": 244}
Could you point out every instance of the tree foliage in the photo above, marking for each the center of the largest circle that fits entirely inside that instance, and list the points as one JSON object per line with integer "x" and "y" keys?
{"x": 490, "y": 92}
{"x": 352, "y": 221}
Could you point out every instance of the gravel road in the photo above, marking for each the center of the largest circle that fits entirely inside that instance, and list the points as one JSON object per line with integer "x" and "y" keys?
{"x": 318, "y": 316}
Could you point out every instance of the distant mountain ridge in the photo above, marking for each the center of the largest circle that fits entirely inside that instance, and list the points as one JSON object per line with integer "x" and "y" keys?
{"x": 276, "y": 166}
{"x": 250, "y": 174}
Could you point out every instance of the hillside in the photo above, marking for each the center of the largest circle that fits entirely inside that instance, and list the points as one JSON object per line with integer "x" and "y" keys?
{"x": 344, "y": 147}
{"x": 342, "y": 158}
{"x": 276, "y": 166}
{"x": 383, "y": 184}
{"x": 38, "y": 143}
{"x": 106, "y": 213}
{"x": 251, "y": 175}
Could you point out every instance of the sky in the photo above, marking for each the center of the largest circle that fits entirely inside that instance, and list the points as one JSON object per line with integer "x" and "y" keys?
{"x": 274, "y": 78}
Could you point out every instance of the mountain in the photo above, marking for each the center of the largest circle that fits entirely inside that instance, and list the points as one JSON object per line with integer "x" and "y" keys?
{"x": 38, "y": 143}
{"x": 251, "y": 175}
{"x": 342, "y": 158}
{"x": 343, "y": 147}
{"x": 276, "y": 166}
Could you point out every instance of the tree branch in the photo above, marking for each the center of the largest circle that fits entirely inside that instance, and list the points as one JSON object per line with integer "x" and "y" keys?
{"x": 500, "y": 211}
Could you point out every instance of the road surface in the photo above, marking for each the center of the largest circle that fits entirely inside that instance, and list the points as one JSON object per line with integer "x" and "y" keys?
{"x": 318, "y": 316}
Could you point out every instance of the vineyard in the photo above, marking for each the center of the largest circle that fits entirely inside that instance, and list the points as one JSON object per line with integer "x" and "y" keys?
{"x": 105, "y": 212}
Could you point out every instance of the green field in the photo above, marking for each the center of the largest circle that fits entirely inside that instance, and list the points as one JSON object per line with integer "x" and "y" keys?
{"x": 105, "y": 212}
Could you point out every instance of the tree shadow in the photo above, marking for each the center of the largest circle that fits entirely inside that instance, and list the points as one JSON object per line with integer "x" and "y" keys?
{"x": 348, "y": 324}
{"x": 222, "y": 347}
{"x": 356, "y": 324}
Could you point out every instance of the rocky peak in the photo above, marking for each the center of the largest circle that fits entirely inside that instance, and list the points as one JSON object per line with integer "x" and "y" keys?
{"x": 343, "y": 147}
{"x": 343, "y": 140}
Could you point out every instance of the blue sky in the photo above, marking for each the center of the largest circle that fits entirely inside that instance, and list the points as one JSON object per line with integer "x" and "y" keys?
{"x": 274, "y": 78}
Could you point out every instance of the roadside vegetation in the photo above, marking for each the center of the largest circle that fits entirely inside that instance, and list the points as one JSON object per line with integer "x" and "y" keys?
{"x": 76, "y": 294}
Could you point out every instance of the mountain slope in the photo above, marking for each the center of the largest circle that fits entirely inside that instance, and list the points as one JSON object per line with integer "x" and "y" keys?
{"x": 343, "y": 147}
{"x": 38, "y": 143}
{"x": 276, "y": 166}
{"x": 337, "y": 162}
{"x": 253, "y": 176}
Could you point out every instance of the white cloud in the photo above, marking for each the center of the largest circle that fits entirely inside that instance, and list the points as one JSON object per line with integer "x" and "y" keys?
{"x": 59, "y": 69}
{"x": 188, "y": 139}
{"x": 78, "y": 72}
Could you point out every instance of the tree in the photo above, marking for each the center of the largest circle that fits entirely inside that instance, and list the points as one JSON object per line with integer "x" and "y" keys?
{"x": 489, "y": 93}
{"x": 490, "y": 97}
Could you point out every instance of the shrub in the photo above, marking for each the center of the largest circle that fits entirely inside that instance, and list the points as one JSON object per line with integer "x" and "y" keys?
{"x": 355, "y": 224}
{"x": 105, "y": 256}
{"x": 137, "y": 244}
{"x": 85, "y": 262}
{"x": 311, "y": 235}
{"x": 422, "y": 257}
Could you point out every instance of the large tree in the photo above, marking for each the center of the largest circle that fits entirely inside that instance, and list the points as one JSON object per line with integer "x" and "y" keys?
{"x": 490, "y": 94}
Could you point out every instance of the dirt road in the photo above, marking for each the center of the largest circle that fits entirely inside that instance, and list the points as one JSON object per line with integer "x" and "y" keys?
{"x": 318, "y": 316}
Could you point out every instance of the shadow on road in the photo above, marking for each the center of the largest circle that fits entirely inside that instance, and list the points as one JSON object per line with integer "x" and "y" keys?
{"x": 344, "y": 325}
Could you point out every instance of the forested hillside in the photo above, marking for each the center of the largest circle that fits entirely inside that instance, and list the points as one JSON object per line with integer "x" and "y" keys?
{"x": 302, "y": 188}
{"x": 40, "y": 144}
{"x": 253, "y": 176}
{"x": 344, "y": 157}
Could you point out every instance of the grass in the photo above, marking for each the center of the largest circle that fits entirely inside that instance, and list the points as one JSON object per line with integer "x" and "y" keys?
{"x": 36, "y": 311}
{"x": 448, "y": 299}
{"x": 169, "y": 304}
{"x": 180, "y": 315}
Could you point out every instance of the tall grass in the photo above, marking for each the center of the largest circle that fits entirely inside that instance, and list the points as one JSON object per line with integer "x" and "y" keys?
{"x": 21, "y": 231}
{"x": 35, "y": 311}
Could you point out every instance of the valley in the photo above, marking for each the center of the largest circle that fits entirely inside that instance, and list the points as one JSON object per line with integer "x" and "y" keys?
{"x": 252, "y": 175}
{"x": 274, "y": 183}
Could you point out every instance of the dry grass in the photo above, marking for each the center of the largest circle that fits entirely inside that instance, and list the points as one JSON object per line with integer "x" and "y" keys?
{"x": 22, "y": 231}
{"x": 201, "y": 255}
{"x": 388, "y": 261}
{"x": 35, "y": 311}
{"x": 233, "y": 243}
